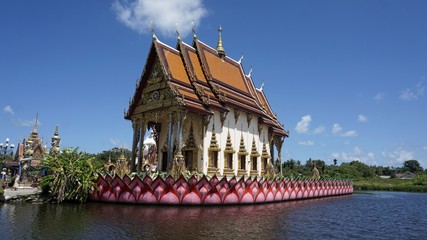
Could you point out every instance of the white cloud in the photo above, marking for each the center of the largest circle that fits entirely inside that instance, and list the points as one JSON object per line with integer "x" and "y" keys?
{"x": 398, "y": 155}
{"x": 336, "y": 129}
{"x": 306, "y": 143}
{"x": 413, "y": 93}
{"x": 380, "y": 96}
{"x": 351, "y": 133}
{"x": 137, "y": 15}
{"x": 118, "y": 143}
{"x": 356, "y": 155}
{"x": 304, "y": 124}
{"x": 320, "y": 129}
{"x": 362, "y": 118}
{"x": 8, "y": 109}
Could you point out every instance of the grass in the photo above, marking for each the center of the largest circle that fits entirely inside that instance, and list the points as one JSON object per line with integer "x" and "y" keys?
{"x": 418, "y": 184}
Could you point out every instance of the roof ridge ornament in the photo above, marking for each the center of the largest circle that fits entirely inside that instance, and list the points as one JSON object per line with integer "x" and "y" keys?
{"x": 241, "y": 58}
{"x": 262, "y": 86}
{"x": 193, "y": 28}
{"x": 250, "y": 72}
{"x": 152, "y": 29}
{"x": 177, "y": 32}
{"x": 219, "y": 47}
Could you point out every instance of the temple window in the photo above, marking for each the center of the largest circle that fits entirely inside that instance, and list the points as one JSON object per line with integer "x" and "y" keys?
{"x": 191, "y": 151}
{"x": 229, "y": 160}
{"x": 214, "y": 159}
{"x": 228, "y": 156}
{"x": 242, "y": 157}
{"x": 213, "y": 155}
{"x": 264, "y": 158}
{"x": 254, "y": 158}
{"x": 243, "y": 162}
{"x": 254, "y": 163}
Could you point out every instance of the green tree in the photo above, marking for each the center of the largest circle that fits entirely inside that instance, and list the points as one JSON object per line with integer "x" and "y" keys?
{"x": 71, "y": 176}
{"x": 412, "y": 166}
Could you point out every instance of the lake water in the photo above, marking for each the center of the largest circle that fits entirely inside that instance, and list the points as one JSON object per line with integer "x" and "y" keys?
{"x": 363, "y": 215}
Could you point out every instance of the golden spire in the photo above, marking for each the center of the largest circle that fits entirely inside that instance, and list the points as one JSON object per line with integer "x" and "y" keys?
{"x": 219, "y": 47}
{"x": 34, "y": 134}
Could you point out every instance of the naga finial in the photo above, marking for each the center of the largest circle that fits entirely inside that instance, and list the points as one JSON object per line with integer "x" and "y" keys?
{"x": 152, "y": 29}
{"x": 193, "y": 28}
{"x": 177, "y": 32}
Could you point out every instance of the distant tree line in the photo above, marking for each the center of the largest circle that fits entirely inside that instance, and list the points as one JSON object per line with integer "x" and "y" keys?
{"x": 348, "y": 170}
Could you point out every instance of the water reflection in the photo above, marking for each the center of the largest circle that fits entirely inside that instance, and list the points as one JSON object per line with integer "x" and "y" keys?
{"x": 373, "y": 216}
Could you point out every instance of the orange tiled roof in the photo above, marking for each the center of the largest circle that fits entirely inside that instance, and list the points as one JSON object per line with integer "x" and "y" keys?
{"x": 204, "y": 81}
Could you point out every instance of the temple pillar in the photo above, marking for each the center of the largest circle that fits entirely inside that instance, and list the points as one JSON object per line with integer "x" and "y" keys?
{"x": 142, "y": 130}
{"x": 279, "y": 143}
{"x": 170, "y": 140}
{"x": 179, "y": 133}
{"x": 134, "y": 145}
{"x": 178, "y": 163}
{"x": 272, "y": 151}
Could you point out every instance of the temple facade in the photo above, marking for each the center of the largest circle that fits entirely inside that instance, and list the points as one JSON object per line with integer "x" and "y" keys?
{"x": 204, "y": 112}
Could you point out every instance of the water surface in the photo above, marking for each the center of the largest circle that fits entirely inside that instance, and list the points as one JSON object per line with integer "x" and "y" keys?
{"x": 366, "y": 215}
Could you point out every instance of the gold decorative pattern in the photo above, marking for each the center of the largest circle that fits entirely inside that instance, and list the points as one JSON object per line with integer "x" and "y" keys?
{"x": 265, "y": 152}
{"x": 254, "y": 151}
{"x": 242, "y": 148}
{"x": 229, "y": 145}
{"x": 191, "y": 142}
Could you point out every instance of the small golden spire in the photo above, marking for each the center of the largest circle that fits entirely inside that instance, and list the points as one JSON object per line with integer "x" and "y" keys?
{"x": 219, "y": 47}
{"x": 36, "y": 122}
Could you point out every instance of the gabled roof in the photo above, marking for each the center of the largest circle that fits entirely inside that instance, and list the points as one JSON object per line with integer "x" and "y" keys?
{"x": 204, "y": 80}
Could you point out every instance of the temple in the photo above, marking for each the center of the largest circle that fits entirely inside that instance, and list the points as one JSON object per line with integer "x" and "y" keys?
{"x": 204, "y": 113}
{"x": 30, "y": 154}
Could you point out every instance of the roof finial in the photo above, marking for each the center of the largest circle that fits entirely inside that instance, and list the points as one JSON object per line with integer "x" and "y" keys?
{"x": 152, "y": 29}
{"x": 241, "y": 58}
{"x": 250, "y": 72}
{"x": 262, "y": 85}
{"x": 177, "y": 32}
{"x": 219, "y": 47}
{"x": 193, "y": 28}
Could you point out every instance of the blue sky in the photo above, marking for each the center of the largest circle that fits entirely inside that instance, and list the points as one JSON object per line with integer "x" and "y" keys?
{"x": 347, "y": 78}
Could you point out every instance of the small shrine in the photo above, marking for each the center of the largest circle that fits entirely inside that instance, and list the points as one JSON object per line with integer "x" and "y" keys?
{"x": 204, "y": 113}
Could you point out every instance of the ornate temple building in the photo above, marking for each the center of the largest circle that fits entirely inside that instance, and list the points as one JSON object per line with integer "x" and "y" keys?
{"x": 30, "y": 153}
{"x": 204, "y": 111}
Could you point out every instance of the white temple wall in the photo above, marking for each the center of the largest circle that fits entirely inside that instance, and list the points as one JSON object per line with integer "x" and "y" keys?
{"x": 236, "y": 130}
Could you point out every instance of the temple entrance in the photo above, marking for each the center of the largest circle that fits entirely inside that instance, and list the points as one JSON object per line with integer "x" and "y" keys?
{"x": 188, "y": 155}
{"x": 164, "y": 161}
